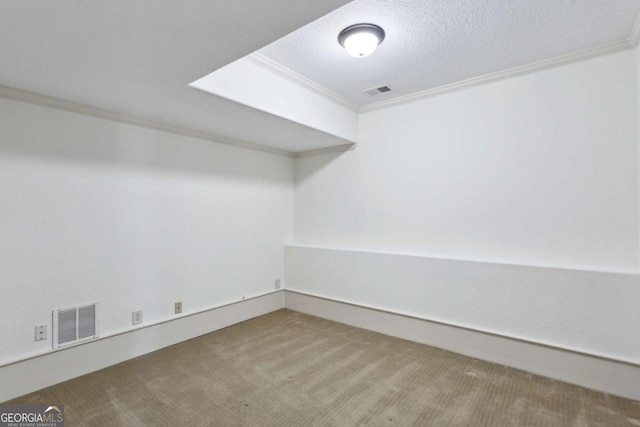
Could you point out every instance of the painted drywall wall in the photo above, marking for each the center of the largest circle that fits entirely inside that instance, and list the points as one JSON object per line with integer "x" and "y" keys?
{"x": 255, "y": 83}
{"x": 536, "y": 169}
{"x": 453, "y": 208}
{"x": 96, "y": 210}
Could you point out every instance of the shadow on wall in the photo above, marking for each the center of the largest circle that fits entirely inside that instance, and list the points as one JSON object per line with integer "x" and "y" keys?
{"x": 50, "y": 134}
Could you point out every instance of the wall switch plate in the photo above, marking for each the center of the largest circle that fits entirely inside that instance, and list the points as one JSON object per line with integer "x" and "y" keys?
{"x": 136, "y": 317}
{"x": 41, "y": 332}
{"x": 178, "y": 307}
{"x": 278, "y": 284}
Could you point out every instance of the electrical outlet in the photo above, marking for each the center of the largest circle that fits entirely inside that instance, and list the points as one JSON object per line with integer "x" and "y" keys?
{"x": 136, "y": 317}
{"x": 41, "y": 332}
{"x": 178, "y": 307}
{"x": 278, "y": 284}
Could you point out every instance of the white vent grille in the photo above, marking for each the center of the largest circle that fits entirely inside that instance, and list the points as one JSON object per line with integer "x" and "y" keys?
{"x": 67, "y": 326}
{"x": 74, "y": 324}
{"x": 377, "y": 90}
{"x": 86, "y": 322}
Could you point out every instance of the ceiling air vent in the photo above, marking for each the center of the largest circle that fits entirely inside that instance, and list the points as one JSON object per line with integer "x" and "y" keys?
{"x": 377, "y": 90}
{"x": 74, "y": 324}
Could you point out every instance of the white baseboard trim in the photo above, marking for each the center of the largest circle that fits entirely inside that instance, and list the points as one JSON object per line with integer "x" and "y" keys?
{"x": 51, "y": 368}
{"x": 594, "y": 372}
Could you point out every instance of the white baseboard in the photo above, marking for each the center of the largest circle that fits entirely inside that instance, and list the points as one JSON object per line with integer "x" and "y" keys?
{"x": 598, "y": 373}
{"x": 35, "y": 373}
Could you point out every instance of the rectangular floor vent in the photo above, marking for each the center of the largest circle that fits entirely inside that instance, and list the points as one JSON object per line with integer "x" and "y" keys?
{"x": 74, "y": 324}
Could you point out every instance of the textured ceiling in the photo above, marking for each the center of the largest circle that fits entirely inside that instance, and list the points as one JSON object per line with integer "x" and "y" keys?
{"x": 136, "y": 57}
{"x": 430, "y": 43}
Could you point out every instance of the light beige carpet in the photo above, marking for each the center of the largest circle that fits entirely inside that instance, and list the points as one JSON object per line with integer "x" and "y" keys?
{"x": 291, "y": 369}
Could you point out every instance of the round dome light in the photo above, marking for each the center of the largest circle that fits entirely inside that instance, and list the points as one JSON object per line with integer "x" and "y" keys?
{"x": 361, "y": 40}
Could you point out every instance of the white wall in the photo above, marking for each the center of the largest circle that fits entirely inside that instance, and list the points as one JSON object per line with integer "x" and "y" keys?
{"x": 95, "y": 210}
{"x": 442, "y": 194}
{"x": 537, "y": 169}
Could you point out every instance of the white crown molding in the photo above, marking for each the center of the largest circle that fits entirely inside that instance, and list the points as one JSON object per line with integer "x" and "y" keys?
{"x": 508, "y": 73}
{"x": 289, "y": 74}
{"x": 74, "y": 107}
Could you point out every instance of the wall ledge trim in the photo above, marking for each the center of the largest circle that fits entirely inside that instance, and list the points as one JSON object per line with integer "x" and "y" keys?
{"x": 500, "y": 261}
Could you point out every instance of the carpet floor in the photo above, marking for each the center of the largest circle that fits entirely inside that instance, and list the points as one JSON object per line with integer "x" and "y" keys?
{"x": 291, "y": 369}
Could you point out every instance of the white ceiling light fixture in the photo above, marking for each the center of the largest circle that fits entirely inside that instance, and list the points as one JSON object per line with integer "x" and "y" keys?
{"x": 361, "y": 40}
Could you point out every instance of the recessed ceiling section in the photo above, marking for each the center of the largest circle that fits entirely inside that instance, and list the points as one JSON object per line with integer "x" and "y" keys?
{"x": 430, "y": 43}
